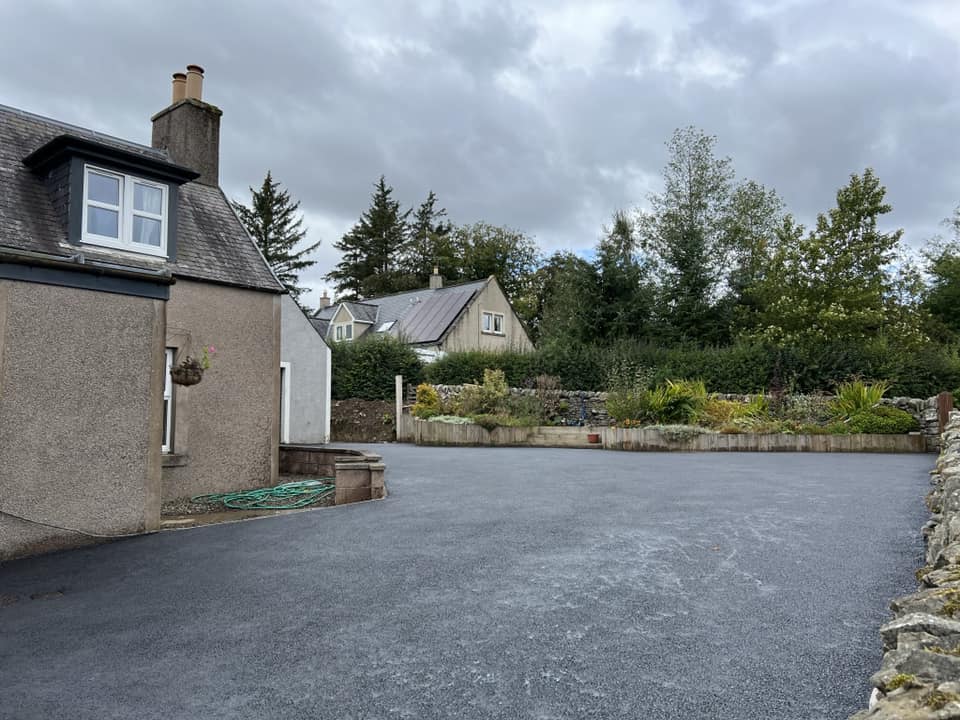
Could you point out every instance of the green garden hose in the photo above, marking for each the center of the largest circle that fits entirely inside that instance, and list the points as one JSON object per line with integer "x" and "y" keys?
{"x": 287, "y": 496}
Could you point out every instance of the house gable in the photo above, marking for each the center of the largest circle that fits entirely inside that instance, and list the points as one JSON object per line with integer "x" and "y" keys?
{"x": 471, "y": 331}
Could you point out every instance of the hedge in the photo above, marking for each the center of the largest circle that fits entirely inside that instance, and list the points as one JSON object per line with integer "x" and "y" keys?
{"x": 365, "y": 369}
{"x": 741, "y": 368}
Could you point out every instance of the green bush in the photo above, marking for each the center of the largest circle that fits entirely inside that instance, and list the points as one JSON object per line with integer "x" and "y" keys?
{"x": 857, "y": 397}
{"x": 673, "y": 402}
{"x": 365, "y": 368}
{"x": 428, "y": 402}
{"x": 882, "y": 420}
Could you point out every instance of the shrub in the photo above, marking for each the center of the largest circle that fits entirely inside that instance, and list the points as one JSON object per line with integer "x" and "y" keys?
{"x": 882, "y": 420}
{"x": 428, "y": 402}
{"x": 858, "y": 397}
{"x": 723, "y": 413}
{"x": 625, "y": 405}
{"x": 366, "y": 368}
{"x": 451, "y": 420}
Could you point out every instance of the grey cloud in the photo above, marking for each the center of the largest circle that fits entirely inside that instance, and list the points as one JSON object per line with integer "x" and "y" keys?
{"x": 330, "y": 96}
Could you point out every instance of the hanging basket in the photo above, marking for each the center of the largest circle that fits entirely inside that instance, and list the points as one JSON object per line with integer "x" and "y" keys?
{"x": 185, "y": 375}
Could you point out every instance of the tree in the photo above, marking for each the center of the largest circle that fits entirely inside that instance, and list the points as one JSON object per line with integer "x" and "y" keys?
{"x": 835, "y": 284}
{"x": 274, "y": 224}
{"x": 372, "y": 249}
{"x": 942, "y": 298}
{"x": 625, "y": 297}
{"x": 486, "y": 250}
{"x": 566, "y": 313}
{"x": 686, "y": 235}
{"x": 754, "y": 216}
{"x": 430, "y": 245}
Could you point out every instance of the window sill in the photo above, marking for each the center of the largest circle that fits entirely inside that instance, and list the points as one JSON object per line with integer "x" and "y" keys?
{"x": 98, "y": 244}
{"x": 495, "y": 334}
{"x": 174, "y": 460}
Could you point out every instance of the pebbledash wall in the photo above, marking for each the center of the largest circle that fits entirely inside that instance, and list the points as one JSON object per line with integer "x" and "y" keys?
{"x": 81, "y": 378}
{"x": 590, "y": 407}
{"x": 225, "y": 429}
{"x": 920, "y": 674}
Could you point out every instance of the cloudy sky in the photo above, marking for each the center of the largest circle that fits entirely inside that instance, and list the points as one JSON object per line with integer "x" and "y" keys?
{"x": 546, "y": 115}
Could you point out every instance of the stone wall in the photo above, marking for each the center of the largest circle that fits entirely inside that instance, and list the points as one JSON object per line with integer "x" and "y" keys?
{"x": 357, "y": 475}
{"x": 590, "y": 408}
{"x": 920, "y": 673}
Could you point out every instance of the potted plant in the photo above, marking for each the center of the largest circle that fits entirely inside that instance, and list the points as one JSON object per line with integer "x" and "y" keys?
{"x": 190, "y": 370}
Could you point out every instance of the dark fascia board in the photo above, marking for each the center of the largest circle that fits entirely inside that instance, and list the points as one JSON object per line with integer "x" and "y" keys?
{"x": 75, "y": 272}
{"x": 65, "y": 146}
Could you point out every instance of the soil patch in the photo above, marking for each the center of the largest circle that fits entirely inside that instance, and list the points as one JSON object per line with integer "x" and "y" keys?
{"x": 362, "y": 421}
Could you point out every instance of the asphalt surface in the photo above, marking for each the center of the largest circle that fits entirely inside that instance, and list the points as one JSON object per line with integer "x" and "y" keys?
{"x": 507, "y": 583}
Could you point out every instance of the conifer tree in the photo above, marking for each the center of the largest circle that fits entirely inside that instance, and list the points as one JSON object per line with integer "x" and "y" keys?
{"x": 274, "y": 223}
{"x": 372, "y": 248}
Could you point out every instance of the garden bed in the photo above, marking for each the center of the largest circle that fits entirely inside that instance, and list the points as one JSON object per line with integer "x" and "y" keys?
{"x": 678, "y": 439}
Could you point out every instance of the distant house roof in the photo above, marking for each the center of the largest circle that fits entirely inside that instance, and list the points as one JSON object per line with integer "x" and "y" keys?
{"x": 321, "y": 326}
{"x": 212, "y": 244}
{"x": 419, "y": 317}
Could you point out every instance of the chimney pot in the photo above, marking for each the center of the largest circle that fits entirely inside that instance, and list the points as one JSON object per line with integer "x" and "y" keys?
{"x": 195, "y": 82}
{"x": 324, "y": 300}
{"x": 179, "y": 87}
{"x": 436, "y": 279}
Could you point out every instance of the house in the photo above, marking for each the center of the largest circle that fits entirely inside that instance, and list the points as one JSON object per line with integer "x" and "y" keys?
{"x": 116, "y": 261}
{"x": 304, "y": 378}
{"x": 469, "y": 316}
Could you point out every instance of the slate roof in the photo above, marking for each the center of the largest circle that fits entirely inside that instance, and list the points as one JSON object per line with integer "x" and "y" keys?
{"x": 362, "y": 311}
{"x": 420, "y": 317}
{"x": 320, "y": 325}
{"x": 212, "y": 245}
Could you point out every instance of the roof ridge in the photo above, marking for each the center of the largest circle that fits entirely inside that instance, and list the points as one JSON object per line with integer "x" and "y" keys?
{"x": 420, "y": 290}
{"x": 70, "y": 126}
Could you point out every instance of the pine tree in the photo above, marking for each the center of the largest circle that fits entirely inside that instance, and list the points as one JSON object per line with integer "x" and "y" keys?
{"x": 430, "y": 245}
{"x": 372, "y": 249}
{"x": 274, "y": 224}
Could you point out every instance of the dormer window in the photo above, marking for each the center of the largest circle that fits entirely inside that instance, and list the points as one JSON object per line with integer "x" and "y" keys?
{"x": 124, "y": 212}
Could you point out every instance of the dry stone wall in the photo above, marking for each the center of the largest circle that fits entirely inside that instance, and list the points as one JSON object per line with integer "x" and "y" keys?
{"x": 919, "y": 678}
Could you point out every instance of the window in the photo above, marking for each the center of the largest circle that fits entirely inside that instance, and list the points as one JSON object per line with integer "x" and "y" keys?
{"x": 339, "y": 332}
{"x": 348, "y": 332}
{"x": 492, "y": 323}
{"x": 167, "y": 445}
{"x": 344, "y": 331}
{"x": 125, "y": 212}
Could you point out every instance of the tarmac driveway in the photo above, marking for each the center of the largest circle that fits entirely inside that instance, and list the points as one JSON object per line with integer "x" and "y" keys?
{"x": 507, "y": 583}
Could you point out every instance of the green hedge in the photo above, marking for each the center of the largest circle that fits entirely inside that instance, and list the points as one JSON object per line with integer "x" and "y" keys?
{"x": 741, "y": 368}
{"x": 365, "y": 369}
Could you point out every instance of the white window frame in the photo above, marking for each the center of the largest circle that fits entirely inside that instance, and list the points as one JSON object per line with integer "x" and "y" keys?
{"x": 166, "y": 444}
{"x": 489, "y": 321}
{"x": 343, "y": 332}
{"x": 125, "y": 213}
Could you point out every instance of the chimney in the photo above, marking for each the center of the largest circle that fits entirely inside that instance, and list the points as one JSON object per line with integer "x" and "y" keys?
{"x": 436, "y": 279}
{"x": 179, "y": 87}
{"x": 189, "y": 129}
{"x": 324, "y": 300}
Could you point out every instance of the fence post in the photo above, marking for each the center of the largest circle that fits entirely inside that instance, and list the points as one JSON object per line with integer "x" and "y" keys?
{"x": 944, "y": 406}
{"x": 398, "y": 417}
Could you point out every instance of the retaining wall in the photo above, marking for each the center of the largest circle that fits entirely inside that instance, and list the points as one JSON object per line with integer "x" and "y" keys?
{"x": 590, "y": 408}
{"x": 919, "y": 677}
{"x": 646, "y": 439}
{"x": 357, "y": 475}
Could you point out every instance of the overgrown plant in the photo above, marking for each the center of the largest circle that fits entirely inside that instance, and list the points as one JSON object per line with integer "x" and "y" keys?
{"x": 858, "y": 397}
